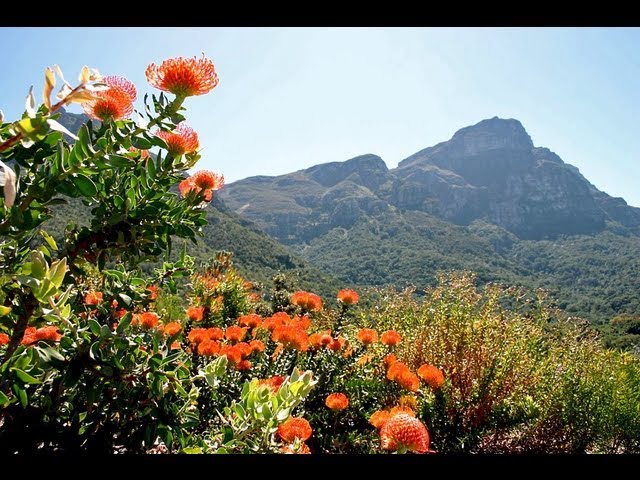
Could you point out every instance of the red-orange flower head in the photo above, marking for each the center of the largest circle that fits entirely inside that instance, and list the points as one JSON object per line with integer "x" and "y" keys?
{"x": 306, "y": 300}
{"x": 29, "y": 336}
{"x": 243, "y": 365}
{"x": 379, "y": 418}
{"x": 172, "y": 328}
{"x": 208, "y": 348}
{"x": 149, "y": 320}
{"x": 198, "y": 335}
{"x": 184, "y": 77}
{"x": 391, "y": 338}
{"x": 404, "y": 431}
{"x": 182, "y": 140}
{"x": 368, "y": 336}
{"x": 291, "y": 336}
{"x": 337, "y": 401}
{"x": 153, "y": 292}
{"x": 395, "y": 369}
{"x": 48, "y": 333}
{"x": 348, "y": 297}
{"x": 276, "y": 320}
{"x": 93, "y": 298}
{"x": 114, "y": 103}
{"x": 409, "y": 380}
{"x": 431, "y": 375}
{"x": 256, "y": 346}
{"x": 295, "y": 427}
{"x": 273, "y": 382}
{"x": 195, "y": 313}
{"x": 4, "y": 339}
{"x": 203, "y": 181}
{"x": 215, "y": 333}
{"x": 235, "y": 333}
{"x": 253, "y": 320}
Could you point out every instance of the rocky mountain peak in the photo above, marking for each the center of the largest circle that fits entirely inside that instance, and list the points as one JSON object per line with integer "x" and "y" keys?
{"x": 493, "y": 134}
{"x": 368, "y": 170}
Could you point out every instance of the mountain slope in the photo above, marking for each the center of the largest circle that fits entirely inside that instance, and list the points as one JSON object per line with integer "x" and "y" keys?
{"x": 486, "y": 200}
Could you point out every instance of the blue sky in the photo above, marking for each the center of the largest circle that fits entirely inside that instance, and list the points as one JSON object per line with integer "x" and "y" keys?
{"x": 290, "y": 98}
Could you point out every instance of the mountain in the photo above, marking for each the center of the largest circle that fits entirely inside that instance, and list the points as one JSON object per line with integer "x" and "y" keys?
{"x": 486, "y": 200}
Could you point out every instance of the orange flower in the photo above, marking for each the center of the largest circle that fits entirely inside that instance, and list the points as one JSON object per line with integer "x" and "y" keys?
{"x": 119, "y": 313}
{"x": 406, "y": 432}
{"x": 337, "y": 401}
{"x": 195, "y": 313}
{"x": 253, "y": 320}
{"x": 320, "y": 339}
{"x": 306, "y": 300}
{"x": 48, "y": 333}
{"x": 207, "y": 180}
{"x": 273, "y": 382}
{"x": 301, "y": 321}
{"x": 153, "y": 292}
{"x": 256, "y": 346}
{"x": 183, "y": 77}
{"x": 348, "y": 297}
{"x": 172, "y": 328}
{"x": 245, "y": 349}
{"x": 182, "y": 140}
{"x": 390, "y": 359}
{"x": 379, "y": 418}
{"x": 215, "y": 333}
{"x": 149, "y": 320}
{"x": 337, "y": 343}
{"x": 395, "y": 369}
{"x": 300, "y": 449}
{"x": 115, "y": 103}
{"x": 276, "y": 320}
{"x": 233, "y": 353}
{"x": 291, "y": 337}
{"x": 208, "y": 348}
{"x": 401, "y": 409}
{"x": 431, "y": 375}
{"x": 4, "y": 339}
{"x": 409, "y": 380}
{"x": 391, "y": 338}
{"x": 29, "y": 336}
{"x": 368, "y": 336}
{"x": 235, "y": 333}
{"x": 93, "y": 298}
{"x": 175, "y": 345}
{"x": 295, "y": 427}
{"x": 243, "y": 365}
{"x": 198, "y": 335}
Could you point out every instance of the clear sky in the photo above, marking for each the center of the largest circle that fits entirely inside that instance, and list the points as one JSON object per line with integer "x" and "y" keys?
{"x": 290, "y": 98}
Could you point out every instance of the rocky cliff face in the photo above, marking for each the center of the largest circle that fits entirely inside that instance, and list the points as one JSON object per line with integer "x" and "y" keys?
{"x": 489, "y": 171}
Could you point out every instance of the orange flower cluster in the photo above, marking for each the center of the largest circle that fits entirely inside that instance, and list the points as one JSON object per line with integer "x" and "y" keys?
{"x": 146, "y": 320}
{"x": 273, "y": 382}
{"x": 253, "y": 320}
{"x": 406, "y": 432}
{"x": 195, "y": 313}
{"x": 278, "y": 319}
{"x": 307, "y": 301}
{"x": 401, "y": 374}
{"x": 295, "y": 428}
{"x": 391, "y": 338}
{"x": 198, "y": 335}
{"x": 348, "y": 297}
{"x": 182, "y": 140}
{"x": 291, "y": 336}
{"x": 172, "y": 328}
{"x": 321, "y": 339}
{"x": 380, "y": 417}
{"x": 431, "y": 375}
{"x": 184, "y": 77}
{"x": 93, "y": 298}
{"x": 367, "y": 336}
{"x": 153, "y": 292}
{"x": 202, "y": 181}
{"x": 4, "y": 339}
{"x": 33, "y": 334}
{"x": 337, "y": 401}
{"x": 235, "y": 333}
{"x": 114, "y": 103}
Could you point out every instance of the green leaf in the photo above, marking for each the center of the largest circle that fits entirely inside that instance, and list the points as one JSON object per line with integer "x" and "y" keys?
{"x": 21, "y": 393}
{"x": 4, "y": 400}
{"x": 48, "y": 238}
{"x": 94, "y": 326}
{"x": 85, "y": 185}
{"x": 25, "y": 377}
{"x": 192, "y": 450}
{"x": 141, "y": 143}
{"x": 125, "y": 298}
{"x": 119, "y": 161}
{"x": 57, "y": 272}
{"x": 124, "y": 322}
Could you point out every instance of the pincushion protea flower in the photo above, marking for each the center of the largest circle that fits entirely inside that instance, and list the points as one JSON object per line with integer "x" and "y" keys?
{"x": 295, "y": 428}
{"x": 202, "y": 181}
{"x": 114, "y": 103}
{"x": 172, "y": 328}
{"x": 93, "y": 298}
{"x": 33, "y": 334}
{"x": 367, "y": 336}
{"x": 182, "y": 140}
{"x": 251, "y": 320}
{"x": 431, "y": 375}
{"x": 4, "y": 339}
{"x": 404, "y": 432}
{"x": 195, "y": 313}
{"x": 391, "y": 338}
{"x": 308, "y": 301}
{"x": 184, "y": 77}
{"x": 235, "y": 333}
{"x": 348, "y": 297}
{"x": 337, "y": 401}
